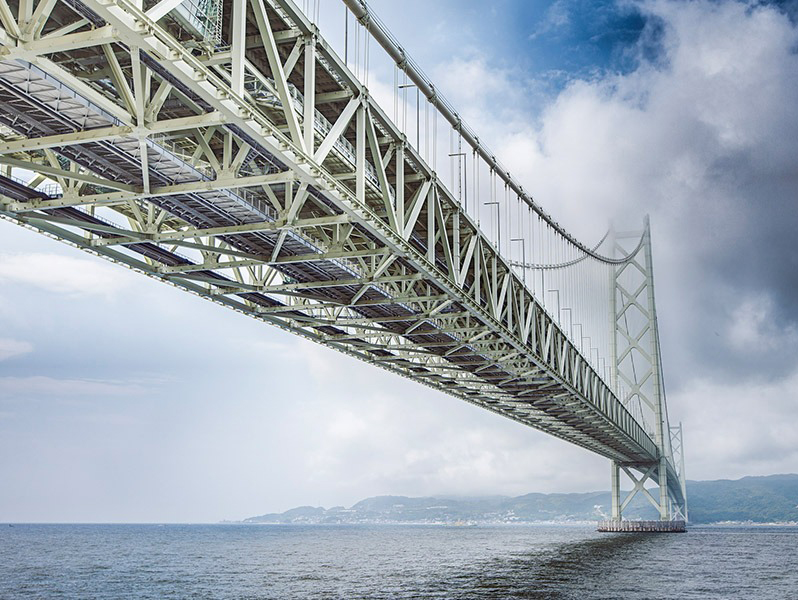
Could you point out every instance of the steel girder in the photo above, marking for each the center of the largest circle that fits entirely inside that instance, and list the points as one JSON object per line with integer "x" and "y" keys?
{"x": 210, "y": 170}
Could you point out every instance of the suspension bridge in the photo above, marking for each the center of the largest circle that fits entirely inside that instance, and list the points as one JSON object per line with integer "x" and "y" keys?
{"x": 226, "y": 147}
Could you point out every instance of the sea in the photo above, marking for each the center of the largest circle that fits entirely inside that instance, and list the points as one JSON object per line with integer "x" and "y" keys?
{"x": 284, "y": 562}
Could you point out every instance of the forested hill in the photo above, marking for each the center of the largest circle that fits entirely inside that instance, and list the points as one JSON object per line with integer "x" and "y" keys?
{"x": 759, "y": 499}
{"x": 767, "y": 499}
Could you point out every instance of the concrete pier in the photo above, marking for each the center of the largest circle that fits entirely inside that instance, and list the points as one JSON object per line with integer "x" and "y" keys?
{"x": 642, "y": 526}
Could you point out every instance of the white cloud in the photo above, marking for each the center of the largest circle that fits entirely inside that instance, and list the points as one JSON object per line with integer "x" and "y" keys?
{"x": 474, "y": 83}
{"x": 367, "y": 435}
{"x": 40, "y": 386}
{"x": 557, "y": 17}
{"x": 10, "y": 348}
{"x": 62, "y": 274}
{"x": 740, "y": 429}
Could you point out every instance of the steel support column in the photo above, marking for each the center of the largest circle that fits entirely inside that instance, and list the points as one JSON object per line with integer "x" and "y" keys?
{"x": 616, "y": 491}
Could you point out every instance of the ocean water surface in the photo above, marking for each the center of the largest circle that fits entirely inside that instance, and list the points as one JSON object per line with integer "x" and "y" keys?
{"x": 385, "y": 561}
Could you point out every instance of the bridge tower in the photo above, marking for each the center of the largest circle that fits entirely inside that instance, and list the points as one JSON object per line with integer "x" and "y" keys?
{"x": 636, "y": 374}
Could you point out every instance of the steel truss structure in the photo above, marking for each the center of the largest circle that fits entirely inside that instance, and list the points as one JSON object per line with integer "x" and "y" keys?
{"x": 636, "y": 362}
{"x": 261, "y": 175}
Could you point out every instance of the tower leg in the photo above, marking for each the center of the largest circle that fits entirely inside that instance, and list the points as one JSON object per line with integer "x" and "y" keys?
{"x": 664, "y": 513}
{"x": 616, "y": 492}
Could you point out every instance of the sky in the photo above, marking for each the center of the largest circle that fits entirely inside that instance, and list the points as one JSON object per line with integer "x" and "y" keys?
{"x": 126, "y": 400}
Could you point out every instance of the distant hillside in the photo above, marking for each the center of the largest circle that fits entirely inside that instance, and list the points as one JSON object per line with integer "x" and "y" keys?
{"x": 758, "y": 499}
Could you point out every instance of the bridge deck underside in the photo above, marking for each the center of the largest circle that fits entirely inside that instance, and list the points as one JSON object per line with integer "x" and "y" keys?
{"x": 204, "y": 203}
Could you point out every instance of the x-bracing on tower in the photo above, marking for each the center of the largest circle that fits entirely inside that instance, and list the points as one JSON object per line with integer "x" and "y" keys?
{"x": 637, "y": 371}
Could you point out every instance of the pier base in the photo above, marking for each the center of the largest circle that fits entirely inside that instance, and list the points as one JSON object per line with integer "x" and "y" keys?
{"x": 642, "y": 526}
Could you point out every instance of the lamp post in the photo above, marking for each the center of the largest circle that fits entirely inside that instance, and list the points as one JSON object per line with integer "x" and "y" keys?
{"x": 558, "y": 301}
{"x": 579, "y": 337}
{"x": 463, "y": 193}
{"x": 570, "y": 321}
{"x": 523, "y": 257}
{"x": 418, "y": 113}
{"x": 498, "y": 224}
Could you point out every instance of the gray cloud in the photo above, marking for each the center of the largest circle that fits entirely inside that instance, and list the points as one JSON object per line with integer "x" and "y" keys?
{"x": 10, "y": 348}
{"x": 707, "y": 145}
